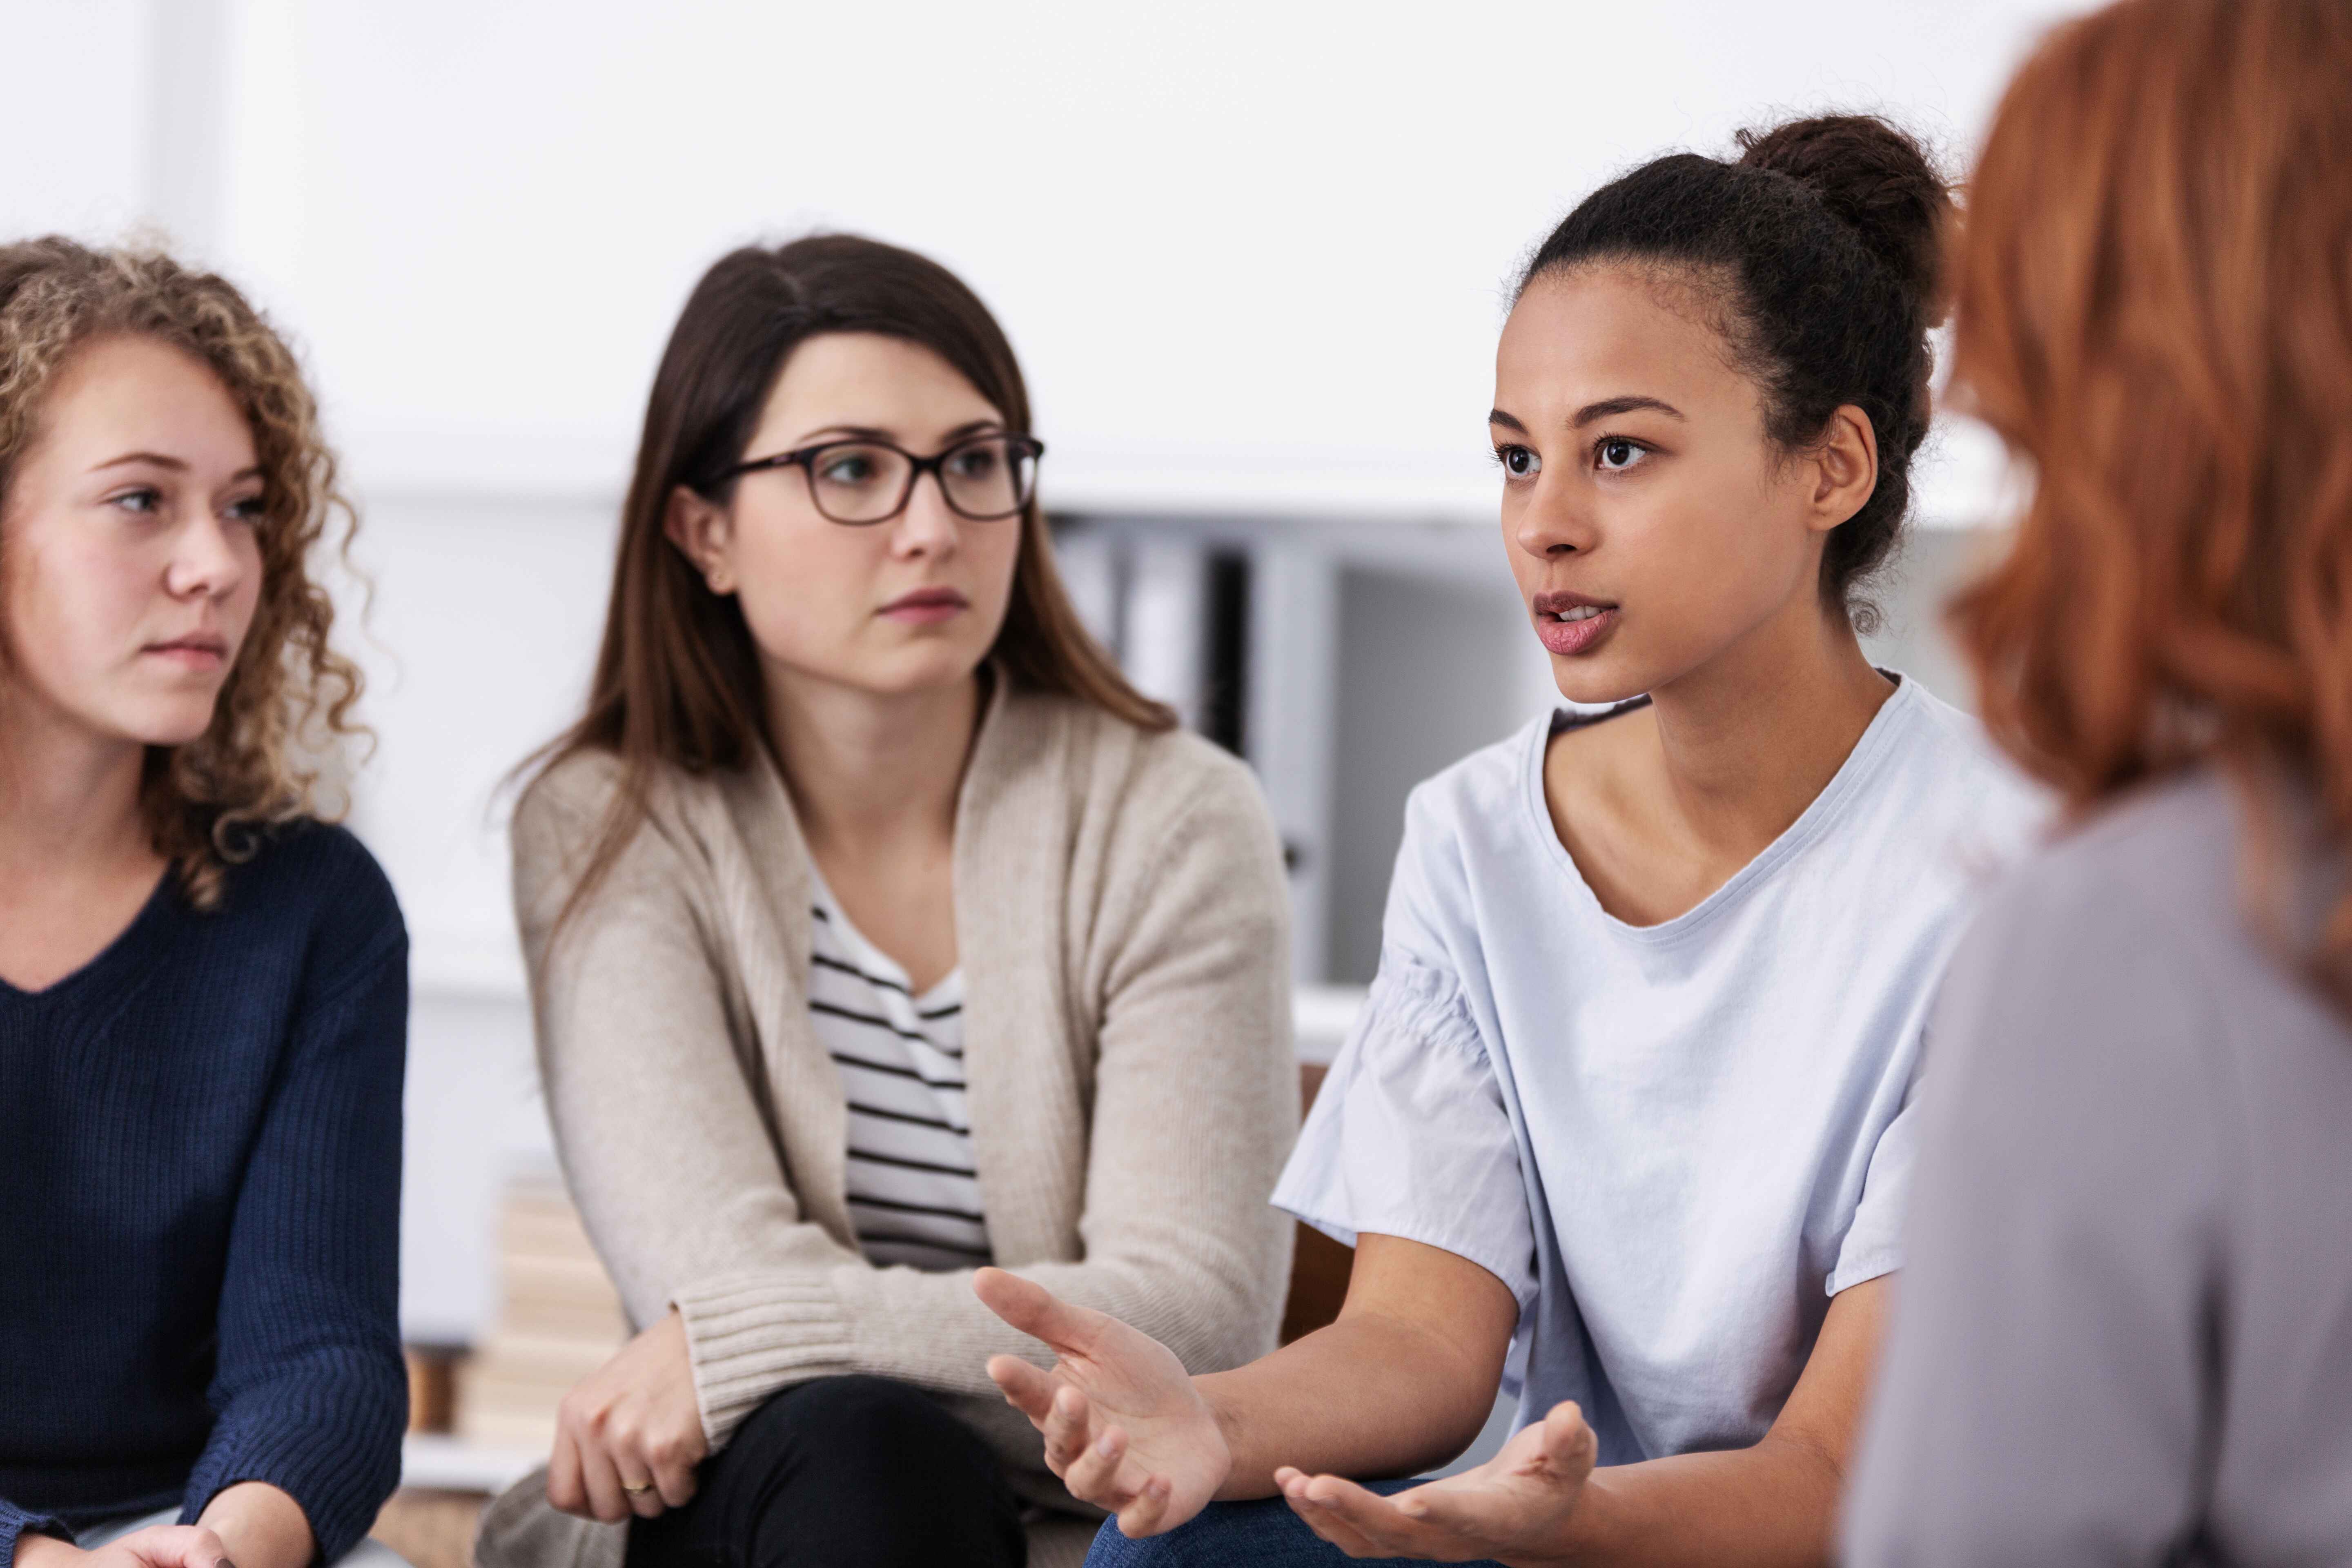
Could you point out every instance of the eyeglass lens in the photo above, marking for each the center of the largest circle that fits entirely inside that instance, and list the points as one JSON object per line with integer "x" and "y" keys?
{"x": 857, "y": 481}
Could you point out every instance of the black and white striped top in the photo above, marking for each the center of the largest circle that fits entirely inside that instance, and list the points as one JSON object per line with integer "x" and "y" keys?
{"x": 914, "y": 1190}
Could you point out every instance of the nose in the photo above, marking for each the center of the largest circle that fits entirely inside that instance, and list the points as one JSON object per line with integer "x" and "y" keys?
{"x": 1548, "y": 524}
{"x": 209, "y": 558}
{"x": 929, "y": 526}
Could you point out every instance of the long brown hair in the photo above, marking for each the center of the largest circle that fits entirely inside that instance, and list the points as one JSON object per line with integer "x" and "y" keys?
{"x": 285, "y": 708}
{"x": 2154, "y": 295}
{"x": 678, "y": 681}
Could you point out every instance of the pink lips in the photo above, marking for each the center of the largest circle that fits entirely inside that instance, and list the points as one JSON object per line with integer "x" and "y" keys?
{"x": 1594, "y": 620}
{"x": 200, "y": 652}
{"x": 926, "y": 607}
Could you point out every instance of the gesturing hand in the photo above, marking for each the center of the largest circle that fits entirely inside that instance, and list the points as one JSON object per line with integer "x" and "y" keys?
{"x": 1516, "y": 1506}
{"x": 1124, "y": 1427}
{"x": 627, "y": 1439}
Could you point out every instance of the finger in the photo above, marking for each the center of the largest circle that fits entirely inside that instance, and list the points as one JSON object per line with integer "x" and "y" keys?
{"x": 1096, "y": 1474}
{"x": 602, "y": 1481}
{"x": 178, "y": 1546}
{"x": 674, "y": 1477}
{"x": 1068, "y": 1429}
{"x": 1037, "y": 1311}
{"x": 1327, "y": 1525}
{"x": 1570, "y": 1442}
{"x": 564, "y": 1488}
{"x": 1028, "y": 1389}
{"x": 1146, "y": 1514}
{"x": 1374, "y": 1519}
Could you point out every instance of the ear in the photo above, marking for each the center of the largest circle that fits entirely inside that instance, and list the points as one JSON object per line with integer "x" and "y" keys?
{"x": 1845, "y": 469}
{"x": 703, "y": 532}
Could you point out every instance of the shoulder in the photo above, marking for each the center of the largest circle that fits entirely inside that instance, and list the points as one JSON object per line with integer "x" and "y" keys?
{"x": 1946, "y": 797}
{"x": 1152, "y": 782}
{"x": 1484, "y": 794}
{"x": 315, "y": 884}
{"x": 2162, "y": 861}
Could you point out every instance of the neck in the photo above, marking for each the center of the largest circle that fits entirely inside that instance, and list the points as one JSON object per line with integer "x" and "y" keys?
{"x": 1753, "y": 736}
{"x": 864, "y": 770}
{"x": 68, "y": 799}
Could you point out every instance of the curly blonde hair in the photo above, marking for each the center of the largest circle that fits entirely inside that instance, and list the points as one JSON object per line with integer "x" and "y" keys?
{"x": 284, "y": 710}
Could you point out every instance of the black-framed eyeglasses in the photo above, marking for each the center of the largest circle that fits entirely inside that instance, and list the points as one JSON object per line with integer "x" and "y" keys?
{"x": 863, "y": 481}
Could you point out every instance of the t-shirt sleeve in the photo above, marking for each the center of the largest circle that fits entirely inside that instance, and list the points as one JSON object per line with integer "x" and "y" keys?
{"x": 1874, "y": 1241}
{"x": 1410, "y": 1136}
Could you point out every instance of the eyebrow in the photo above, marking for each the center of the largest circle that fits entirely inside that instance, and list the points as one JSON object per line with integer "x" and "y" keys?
{"x": 1609, "y": 407}
{"x": 874, "y": 432}
{"x": 158, "y": 460}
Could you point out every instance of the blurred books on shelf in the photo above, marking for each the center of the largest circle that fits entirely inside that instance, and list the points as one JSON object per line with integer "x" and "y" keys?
{"x": 559, "y": 1320}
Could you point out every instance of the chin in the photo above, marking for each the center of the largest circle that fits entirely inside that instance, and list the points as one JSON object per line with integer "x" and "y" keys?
{"x": 1596, "y": 680}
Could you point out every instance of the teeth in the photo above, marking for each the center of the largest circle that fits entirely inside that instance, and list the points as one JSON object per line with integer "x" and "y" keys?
{"x": 1581, "y": 612}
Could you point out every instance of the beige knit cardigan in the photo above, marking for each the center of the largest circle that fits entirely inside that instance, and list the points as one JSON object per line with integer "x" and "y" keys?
{"x": 1120, "y": 915}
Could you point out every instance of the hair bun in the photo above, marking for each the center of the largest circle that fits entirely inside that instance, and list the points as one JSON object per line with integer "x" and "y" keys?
{"x": 1878, "y": 179}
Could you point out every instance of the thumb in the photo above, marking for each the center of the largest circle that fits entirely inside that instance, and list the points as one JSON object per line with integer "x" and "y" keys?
{"x": 1035, "y": 1310}
{"x": 1569, "y": 1443}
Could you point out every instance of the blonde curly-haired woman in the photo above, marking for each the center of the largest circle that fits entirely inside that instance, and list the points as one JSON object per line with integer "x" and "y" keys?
{"x": 203, "y": 989}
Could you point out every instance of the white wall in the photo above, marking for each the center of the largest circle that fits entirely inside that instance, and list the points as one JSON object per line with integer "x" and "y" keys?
{"x": 1253, "y": 255}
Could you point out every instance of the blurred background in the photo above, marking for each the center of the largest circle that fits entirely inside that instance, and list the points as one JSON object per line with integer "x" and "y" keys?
{"x": 1253, "y": 258}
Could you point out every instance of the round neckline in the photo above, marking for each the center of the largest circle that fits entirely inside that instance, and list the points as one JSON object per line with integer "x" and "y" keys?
{"x": 1861, "y": 764}
{"x": 118, "y": 950}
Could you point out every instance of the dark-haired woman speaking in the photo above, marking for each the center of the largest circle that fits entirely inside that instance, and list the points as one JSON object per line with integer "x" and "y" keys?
{"x": 878, "y": 931}
{"x": 1630, "y": 1109}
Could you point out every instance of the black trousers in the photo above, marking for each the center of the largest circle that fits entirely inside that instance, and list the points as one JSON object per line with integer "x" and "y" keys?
{"x": 844, "y": 1472}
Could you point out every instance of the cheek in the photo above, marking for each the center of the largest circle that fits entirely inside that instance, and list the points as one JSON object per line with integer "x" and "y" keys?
{"x": 802, "y": 587}
{"x": 74, "y": 606}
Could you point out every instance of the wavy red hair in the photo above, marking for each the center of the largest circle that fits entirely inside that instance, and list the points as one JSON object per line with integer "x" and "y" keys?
{"x": 2153, "y": 292}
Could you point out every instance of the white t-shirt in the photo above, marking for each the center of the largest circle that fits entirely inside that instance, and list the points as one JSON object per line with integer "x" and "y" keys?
{"x": 1673, "y": 1142}
{"x": 914, "y": 1190}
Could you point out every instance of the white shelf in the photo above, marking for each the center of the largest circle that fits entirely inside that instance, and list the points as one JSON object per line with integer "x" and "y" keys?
{"x": 441, "y": 1463}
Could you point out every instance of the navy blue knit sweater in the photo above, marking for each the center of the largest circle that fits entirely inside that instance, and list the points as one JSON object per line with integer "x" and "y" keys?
{"x": 200, "y": 1205}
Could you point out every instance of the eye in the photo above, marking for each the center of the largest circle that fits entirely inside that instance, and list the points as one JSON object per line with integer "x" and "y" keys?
{"x": 848, "y": 469}
{"x": 1615, "y": 454}
{"x": 1519, "y": 462}
{"x": 144, "y": 501}
{"x": 975, "y": 462}
{"x": 247, "y": 509}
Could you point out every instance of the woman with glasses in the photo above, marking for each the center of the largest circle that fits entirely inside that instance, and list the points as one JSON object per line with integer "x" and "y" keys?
{"x": 878, "y": 931}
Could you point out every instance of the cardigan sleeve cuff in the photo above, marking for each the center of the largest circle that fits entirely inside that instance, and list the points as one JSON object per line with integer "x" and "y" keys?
{"x": 16, "y": 1522}
{"x": 749, "y": 1335}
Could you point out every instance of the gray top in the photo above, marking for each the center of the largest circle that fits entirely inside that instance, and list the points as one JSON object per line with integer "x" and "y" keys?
{"x": 2124, "y": 1333}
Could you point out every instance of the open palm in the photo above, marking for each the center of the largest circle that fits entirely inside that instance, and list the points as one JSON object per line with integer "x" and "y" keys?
{"x": 1516, "y": 1506}
{"x": 1124, "y": 1427}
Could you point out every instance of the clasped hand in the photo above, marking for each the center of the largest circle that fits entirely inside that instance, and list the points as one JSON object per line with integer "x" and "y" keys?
{"x": 629, "y": 1439}
{"x": 1127, "y": 1429}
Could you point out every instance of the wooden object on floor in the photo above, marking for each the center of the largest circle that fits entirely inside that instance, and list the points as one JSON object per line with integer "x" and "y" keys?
{"x": 1320, "y": 1267}
{"x": 431, "y": 1529}
{"x": 559, "y": 1320}
{"x": 433, "y": 1387}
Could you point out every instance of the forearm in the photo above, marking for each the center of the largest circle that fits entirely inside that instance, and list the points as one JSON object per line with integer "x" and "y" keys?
{"x": 1762, "y": 1507}
{"x": 261, "y": 1526}
{"x": 1369, "y": 1396}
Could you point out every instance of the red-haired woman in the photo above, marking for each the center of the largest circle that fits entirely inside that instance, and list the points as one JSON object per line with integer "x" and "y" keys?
{"x": 878, "y": 930}
{"x": 2126, "y": 1335}
{"x": 203, "y": 989}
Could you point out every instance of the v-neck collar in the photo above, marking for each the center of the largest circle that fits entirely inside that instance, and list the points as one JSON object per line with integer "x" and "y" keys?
{"x": 109, "y": 962}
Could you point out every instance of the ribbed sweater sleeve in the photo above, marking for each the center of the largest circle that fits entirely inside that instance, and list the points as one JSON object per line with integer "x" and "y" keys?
{"x": 310, "y": 1391}
{"x": 15, "y": 1521}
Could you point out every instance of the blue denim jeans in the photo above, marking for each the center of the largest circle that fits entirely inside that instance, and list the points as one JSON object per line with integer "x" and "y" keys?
{"x": 1261, "y": 1534}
